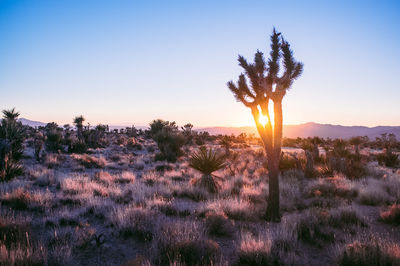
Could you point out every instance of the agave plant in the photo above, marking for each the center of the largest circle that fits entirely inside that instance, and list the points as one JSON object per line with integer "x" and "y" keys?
{"x": 207, "y": 161}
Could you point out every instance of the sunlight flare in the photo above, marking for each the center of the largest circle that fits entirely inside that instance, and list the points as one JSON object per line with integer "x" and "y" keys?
{"x": 263, "y": 119}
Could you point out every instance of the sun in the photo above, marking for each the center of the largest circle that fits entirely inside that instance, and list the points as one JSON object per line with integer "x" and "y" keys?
{"x": 263, "y": 119}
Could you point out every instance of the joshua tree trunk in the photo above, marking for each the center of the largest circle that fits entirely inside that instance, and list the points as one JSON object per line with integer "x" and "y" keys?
{"x": 273, "y": 165}
{"x": 79, "y": 132}
{"x": 272, "y": 213}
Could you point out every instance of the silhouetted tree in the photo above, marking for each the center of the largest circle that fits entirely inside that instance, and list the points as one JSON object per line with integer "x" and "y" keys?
{"x": 12, "y": 135}
{"x": 267, "y": 85}
{"x": 187, "y": 132}
{"x": 78, "y": 121}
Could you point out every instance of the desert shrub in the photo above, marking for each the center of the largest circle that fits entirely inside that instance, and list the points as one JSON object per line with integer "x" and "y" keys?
{"x": 192, "y": 252}
{"x": 331, "y": 189}
{"x": 288, "y": 162}
{"x": 345, "y": 217}
{"x": 265, "y": 251}
{"x": 29, "y": 253}
{"x": 96, "y": 137}
{"x": 77, "y": 146}
{"x": 132, "y": 222}
{"x": 317, "y": 226}
{"x": 373, "y": 252}
{"x": 388, "y": 159}
{"x": 125, "y": 177}
{"x": 170, "y": 144}
{"x": 103, "y": 177}
{"x": 53, "y": 137}
{"x": 391, "y": 216}
{"x": 39, "y": 140}
{"x": 9, "y": 168}
{"x": 192, "y": 193}
{"x": 219, "y": 225}
{"x": 163, "y": 168}
{"x": 169, "y": 140}
{"x": 373, "y": 196}
{"x": 239, "y": 209}
{"x": 18, "y": 199}
{"x": 51, "y": 160}
{"x": 13, "y": 231}
{"x": 176, "y": 244}
{"x": 355, "y": 169}
{"x": 310, "y": 229}
{"x": 90, "y": 161}
{"x": 325, "y": 170}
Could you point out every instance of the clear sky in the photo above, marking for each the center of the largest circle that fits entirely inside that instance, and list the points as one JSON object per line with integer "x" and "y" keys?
{"x": 128, "y": 62}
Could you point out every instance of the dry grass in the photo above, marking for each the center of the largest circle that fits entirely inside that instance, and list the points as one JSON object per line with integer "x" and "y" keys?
{"x": 90, "y": 161}
{"x": 372, "y": 252}
{"x": 78, "y": 214}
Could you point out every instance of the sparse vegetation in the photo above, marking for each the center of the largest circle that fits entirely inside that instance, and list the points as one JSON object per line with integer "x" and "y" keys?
{"x": 112, "y": 192}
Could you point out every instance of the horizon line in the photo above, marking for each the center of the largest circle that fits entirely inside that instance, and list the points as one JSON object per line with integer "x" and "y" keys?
{"x": 216, "y": 126}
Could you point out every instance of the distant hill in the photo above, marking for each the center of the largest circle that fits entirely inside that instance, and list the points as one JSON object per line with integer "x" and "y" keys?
{"x": 313, "y": 129}
{"x": 291, "y": 131}
{"x": 31, "y": 123}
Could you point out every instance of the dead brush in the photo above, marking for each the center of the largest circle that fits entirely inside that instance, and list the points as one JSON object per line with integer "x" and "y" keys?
{"x": 371, "y": 252}
{"x": 218, "y": 224}
{"x": 89, "y": 161}
{"x": 19, "y": 199}
{"x": 185, "y": 244}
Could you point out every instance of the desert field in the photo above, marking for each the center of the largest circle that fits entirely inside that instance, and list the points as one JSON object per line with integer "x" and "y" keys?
{"x": 121, "y": 200}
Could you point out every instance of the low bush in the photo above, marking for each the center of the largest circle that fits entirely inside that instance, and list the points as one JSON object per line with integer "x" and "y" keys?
{"x": 370, "y": 253}
{"x": 388, "y": 159}
{"x": 219, "y": 225}
{"x": 90, "y": 161}
{"x": 391, "y": 216}
{"x": 190, "y": 252}
{"x": 18, "y": 199}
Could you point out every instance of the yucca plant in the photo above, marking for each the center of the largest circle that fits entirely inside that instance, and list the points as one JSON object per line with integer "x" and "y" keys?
{"x": 207, "y": 161}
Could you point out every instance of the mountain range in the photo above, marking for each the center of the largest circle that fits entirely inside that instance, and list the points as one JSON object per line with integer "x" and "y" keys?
{"x": 291, "y": 131}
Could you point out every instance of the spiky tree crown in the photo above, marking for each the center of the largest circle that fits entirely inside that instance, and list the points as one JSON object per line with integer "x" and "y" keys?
{"x": 264, "y": 78}
{"x": 79, "y": 120}
{"x": 10, "y": 114}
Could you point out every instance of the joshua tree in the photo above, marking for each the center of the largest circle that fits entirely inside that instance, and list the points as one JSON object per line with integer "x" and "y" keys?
{"x": 187, "y": 132}
{"x": 78, "y": 121}
{"x": 12, "y": 135}
{"x": 38, "y": 144}
{"x": 10, "y": 115}
{"x": 207, "y": 161}
{"x": 267, "y": 85}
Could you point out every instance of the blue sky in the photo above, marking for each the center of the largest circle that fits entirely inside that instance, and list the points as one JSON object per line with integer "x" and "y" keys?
{"x": 128, "y": 62}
